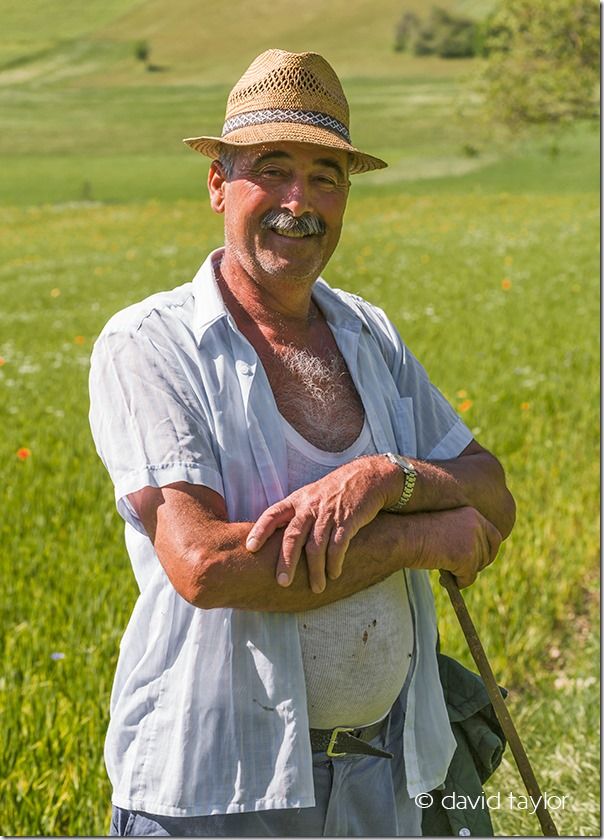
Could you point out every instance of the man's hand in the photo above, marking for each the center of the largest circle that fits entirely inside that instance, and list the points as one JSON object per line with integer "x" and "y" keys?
{"x": 322, "y": 518}
{"x": 461, "y": 541}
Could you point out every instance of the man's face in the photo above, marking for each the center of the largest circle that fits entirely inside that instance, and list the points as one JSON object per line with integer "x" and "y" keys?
{"x": 281, "y": 181}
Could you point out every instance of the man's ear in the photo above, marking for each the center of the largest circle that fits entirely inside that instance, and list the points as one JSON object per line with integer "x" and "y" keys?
{"x": 216, "y": 182}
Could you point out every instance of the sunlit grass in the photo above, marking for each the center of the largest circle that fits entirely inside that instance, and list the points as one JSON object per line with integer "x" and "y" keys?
{"x": 191, "y": 40}
{"x": 497, "y": 295}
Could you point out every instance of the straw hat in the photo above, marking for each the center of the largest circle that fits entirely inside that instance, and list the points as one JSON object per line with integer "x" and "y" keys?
{"x": 295, "y": 97}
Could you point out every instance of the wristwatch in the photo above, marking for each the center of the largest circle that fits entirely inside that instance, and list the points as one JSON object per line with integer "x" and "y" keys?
{"x": 410, "y": 476}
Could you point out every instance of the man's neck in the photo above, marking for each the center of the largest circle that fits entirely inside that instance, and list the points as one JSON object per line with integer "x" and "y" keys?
{"x": 284, "y": 312}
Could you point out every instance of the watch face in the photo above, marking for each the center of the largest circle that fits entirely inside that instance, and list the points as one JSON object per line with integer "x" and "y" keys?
{"x": 406, "y": 465}
{"x": 403, "y": 463}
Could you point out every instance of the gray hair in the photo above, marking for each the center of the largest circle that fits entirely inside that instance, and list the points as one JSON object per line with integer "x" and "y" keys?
{"x": 227, "y": 159}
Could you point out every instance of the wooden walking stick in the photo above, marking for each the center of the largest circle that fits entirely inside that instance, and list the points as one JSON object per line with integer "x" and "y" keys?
{"x": 501, "y": 710}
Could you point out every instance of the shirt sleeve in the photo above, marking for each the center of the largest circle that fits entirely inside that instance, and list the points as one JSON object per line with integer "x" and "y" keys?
{"x": 149, "y": 427}
{"x": 440, "y": 433}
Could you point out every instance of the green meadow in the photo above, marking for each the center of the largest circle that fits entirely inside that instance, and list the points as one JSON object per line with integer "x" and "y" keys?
{"x": 483, "y": 250}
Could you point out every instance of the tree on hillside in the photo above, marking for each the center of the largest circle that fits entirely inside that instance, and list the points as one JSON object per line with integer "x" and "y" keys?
{"x": 440, "y": 33}
{"x": 542, "y": 61}
{"x": 406, "y": 32}
{"x": 142, "y": 52}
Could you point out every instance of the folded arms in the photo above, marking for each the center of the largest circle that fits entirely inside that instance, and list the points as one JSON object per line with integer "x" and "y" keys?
{"x": 336, "y": 527}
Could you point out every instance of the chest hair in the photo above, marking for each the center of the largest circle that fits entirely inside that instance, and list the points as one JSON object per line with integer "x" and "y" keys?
{"x": 316, "y": 395}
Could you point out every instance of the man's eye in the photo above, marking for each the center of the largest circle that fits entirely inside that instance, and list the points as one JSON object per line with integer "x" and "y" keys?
{"x": 326, "y": 181}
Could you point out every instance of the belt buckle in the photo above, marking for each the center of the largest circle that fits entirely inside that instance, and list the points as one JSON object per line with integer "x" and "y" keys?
{"x": 333, "y": 739}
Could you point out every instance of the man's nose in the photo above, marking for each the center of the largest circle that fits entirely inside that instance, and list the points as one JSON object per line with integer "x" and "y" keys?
{"x": 297, "y": 197}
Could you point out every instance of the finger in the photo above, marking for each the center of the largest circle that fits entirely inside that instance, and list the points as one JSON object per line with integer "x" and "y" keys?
{"x": 276, "y": 516}
{"x": 494, "y": 539}
{"x": 316, "y": 552}
{"x": 292, "y": 543}
{"x": 467, "y": 578}
{"x": 336, "y": 551}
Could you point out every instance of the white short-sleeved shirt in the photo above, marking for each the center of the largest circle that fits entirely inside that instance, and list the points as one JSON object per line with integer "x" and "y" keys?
{"x": 208, "y": 708}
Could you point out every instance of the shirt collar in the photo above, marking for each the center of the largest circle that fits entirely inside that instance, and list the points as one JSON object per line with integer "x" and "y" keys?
{"x": 337, "y": 312}
{"x": 210, "y": 307}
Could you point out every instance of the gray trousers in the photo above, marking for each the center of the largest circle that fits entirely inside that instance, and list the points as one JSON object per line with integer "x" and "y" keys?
{"x": 356, "y": 796}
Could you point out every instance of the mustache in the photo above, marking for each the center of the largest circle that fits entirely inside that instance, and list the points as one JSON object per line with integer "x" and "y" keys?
{"x": 307, "y": 224}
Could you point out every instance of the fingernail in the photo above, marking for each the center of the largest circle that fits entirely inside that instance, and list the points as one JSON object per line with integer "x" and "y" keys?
{"x": 282, "y": 579}
{"x": 252, "y": 544}
{"x": 317, "y": 588}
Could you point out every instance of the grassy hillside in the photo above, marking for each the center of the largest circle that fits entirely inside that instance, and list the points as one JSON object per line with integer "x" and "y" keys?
{"x": 356, "y": 36}
{"x": 201, "y": 42}
{"x": 33, "y": 29}
{"x": 85, "y": 121}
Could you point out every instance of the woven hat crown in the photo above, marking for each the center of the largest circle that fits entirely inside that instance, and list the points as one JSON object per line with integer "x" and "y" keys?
{"x": 280, "y": 79}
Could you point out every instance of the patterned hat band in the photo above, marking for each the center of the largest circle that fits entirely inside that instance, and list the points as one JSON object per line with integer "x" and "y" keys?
{"x": 273, "y": 115}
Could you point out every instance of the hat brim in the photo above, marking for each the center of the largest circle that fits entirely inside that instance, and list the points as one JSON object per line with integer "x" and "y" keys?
{"x": 286, "y": 132}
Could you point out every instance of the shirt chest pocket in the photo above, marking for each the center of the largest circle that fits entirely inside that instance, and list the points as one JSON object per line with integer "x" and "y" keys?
{"x": 405, "y": 427}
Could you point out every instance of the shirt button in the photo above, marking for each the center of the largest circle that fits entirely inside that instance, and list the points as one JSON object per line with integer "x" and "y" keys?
{"x": 465, "y": 832}
{"x": 244, "y": 368}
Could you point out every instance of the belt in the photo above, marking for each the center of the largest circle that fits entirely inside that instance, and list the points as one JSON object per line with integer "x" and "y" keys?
{"x": 346, "y": 740}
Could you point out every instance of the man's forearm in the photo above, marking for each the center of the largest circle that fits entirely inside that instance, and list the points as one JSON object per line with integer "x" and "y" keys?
{"x": 231, "y": 576}
{"x": 476, "y": 479}
{"x": 227, "y": 575}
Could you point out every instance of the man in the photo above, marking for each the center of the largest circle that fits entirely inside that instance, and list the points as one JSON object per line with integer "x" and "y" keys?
{"x": 287, "y": 475}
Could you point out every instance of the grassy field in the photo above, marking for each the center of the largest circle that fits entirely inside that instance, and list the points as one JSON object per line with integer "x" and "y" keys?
{"x": 93, "y": 43}
{"x": 488, "y": 264}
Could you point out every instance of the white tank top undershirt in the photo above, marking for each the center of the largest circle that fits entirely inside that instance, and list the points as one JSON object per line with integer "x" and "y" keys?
{"x": 356, "y": 652}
